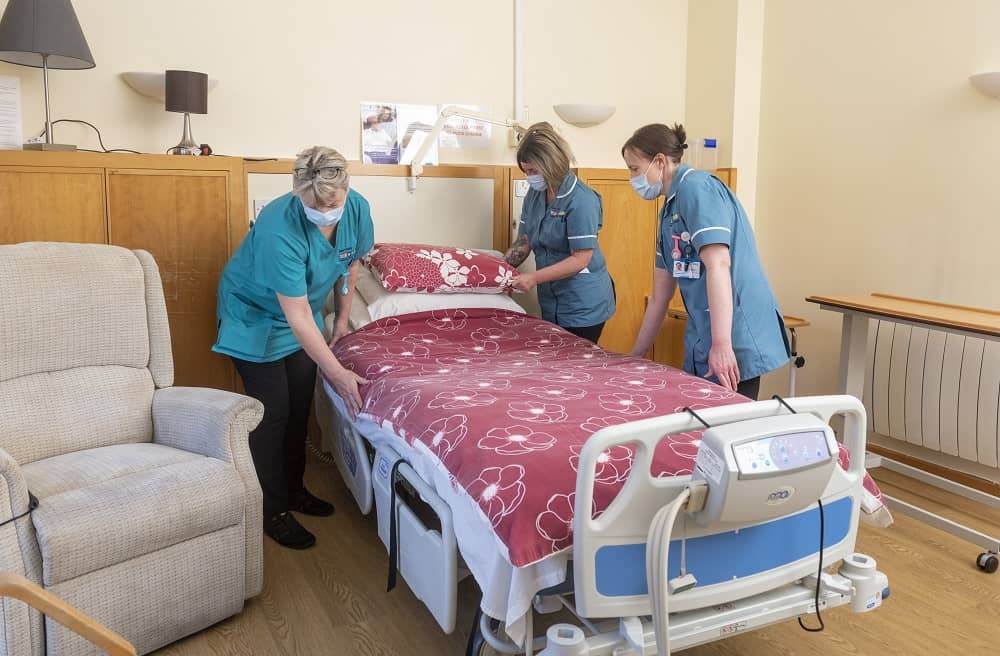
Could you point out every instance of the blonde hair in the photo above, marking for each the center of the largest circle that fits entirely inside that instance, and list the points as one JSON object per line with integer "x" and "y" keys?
{"x": 544, "y": 148}
{"x": 318, "y": 173}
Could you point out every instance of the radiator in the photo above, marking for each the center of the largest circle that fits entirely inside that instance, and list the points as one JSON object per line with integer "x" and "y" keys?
{"x": 933, "y": 393}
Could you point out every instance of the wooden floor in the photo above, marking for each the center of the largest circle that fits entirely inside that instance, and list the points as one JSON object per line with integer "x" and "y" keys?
{"x": 331, "y": 599}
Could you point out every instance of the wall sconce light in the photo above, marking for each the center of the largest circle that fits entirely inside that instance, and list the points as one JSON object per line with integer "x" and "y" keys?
{"x": 584, "y": 115}
{"x": 987, "y": 83}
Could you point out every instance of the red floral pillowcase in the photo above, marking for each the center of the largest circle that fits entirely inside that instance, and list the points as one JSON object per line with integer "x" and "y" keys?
{"x": 439, "y": 269}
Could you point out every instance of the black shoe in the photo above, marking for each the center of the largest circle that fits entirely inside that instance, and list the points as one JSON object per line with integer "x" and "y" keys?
{"x": 286, "y": 531}
{"x": 307, "y": 504}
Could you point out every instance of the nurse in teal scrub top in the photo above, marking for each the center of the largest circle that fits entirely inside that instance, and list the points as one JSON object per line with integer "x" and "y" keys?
{"x": 559, "y": 222}
{"x": 735, "y": 331}
{"x": 272, "y": 291}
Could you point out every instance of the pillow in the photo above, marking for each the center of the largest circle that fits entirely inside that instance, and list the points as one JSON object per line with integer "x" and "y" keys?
{"x": 382, "y": 303}
{"x": 439, "y": 269}
{"x": 359, "y": 317}
{"x": 367, "y": 285}
{"x": 392, "y": 304}
{"x": 489, "y": 251}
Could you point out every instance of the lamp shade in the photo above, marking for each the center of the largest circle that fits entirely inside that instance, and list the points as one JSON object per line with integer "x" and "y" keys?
{"x": 33, "y": 29}
{"x": 187, "y": 92}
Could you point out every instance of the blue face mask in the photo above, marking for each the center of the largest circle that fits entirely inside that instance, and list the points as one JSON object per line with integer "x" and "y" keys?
{"x": 644, "y": 188}
{"x": 324, "y": 219}
{"x": 537, "y": 182}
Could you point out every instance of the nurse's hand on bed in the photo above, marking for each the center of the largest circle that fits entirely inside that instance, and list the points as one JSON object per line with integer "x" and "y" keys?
{"x": 722, "y": 365}
{"x": 525, "y": 282}
{"x": 345, "y": 382}
{"x": 338, "y": 332}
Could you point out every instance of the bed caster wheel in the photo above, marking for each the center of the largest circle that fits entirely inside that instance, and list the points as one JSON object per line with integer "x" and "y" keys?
{"x": 988, "y": 562}
{"x": 477, "y": 645}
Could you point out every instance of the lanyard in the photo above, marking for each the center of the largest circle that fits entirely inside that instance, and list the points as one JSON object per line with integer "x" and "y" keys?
{"x": 676, "y": 251}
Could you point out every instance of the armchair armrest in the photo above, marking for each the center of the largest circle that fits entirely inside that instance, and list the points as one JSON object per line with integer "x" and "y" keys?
{"x": 18, "y": 587}
{"x": 13, "y": 490}
{"x": 213, "y": 423}
{"x": 19, "y": 555}
{"x": 217, "y": 424}
{"x": 15, "y": 502}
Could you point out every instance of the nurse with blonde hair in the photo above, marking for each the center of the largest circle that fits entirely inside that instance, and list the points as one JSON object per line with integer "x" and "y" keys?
{"x": 560, "y": 221}
{"x": 303, "y": 245}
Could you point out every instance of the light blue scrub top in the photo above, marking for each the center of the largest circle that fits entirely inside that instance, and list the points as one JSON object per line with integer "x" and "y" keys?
{"x": 285, "y": 253}
{"x": 569, "y": 224}
{"x": 703, "y": 209}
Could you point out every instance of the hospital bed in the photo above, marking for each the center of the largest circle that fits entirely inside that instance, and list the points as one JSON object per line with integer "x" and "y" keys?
{"x": 607, "y": 545}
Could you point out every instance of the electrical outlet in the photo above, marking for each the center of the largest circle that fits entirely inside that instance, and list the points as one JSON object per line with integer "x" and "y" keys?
{"x": 520, "y": 188}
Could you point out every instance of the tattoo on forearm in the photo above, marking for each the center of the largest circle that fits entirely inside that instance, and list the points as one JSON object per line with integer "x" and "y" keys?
{"x": 518, "y": 253}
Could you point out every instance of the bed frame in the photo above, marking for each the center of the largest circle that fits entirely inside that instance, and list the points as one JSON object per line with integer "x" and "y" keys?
{"x": 737, "y": 593}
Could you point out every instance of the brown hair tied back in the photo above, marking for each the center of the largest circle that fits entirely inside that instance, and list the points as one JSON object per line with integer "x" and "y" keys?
{"x": 651, "y": 140}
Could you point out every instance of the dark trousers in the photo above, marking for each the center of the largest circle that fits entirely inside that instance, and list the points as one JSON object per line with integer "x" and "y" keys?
{"x": 593, "y": 333}
{"x": 278, "y": 444}
{"x": 749, "y": 388}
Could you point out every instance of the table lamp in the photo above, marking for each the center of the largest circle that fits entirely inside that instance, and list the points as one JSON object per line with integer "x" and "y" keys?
{"x": 187, "y": 92}
{"x": 44, "y": 34}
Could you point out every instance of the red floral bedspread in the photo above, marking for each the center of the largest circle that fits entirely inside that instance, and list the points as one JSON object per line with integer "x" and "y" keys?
{"x": 506, "y": 402}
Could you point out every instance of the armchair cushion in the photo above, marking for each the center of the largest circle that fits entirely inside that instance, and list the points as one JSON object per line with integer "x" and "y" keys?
{"x": 49, "y": 414}
{"x": 155, "y": 501}
{"x": 44, "y": 285}
{"x": 71, "y": 471}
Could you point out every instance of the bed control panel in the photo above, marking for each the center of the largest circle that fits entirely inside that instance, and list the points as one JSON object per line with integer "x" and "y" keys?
{"x": 781, "y": 453}
{"x": 764, "y": 468}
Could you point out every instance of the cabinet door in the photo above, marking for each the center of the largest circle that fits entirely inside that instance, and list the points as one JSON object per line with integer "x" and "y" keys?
{"x": 628, "y": 241}
{"x": 668, "y": 346}
{"x": 52, "y": 204}
{"x": 182, "y": 218}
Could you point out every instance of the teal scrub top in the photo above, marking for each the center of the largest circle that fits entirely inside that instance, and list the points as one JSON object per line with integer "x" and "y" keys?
{"x": 569, "y": 224}
{"x": 285, "y": 253}
{"x": 701, "y": 210}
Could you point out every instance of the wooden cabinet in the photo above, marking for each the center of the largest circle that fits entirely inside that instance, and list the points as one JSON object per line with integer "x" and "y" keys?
{"x": 668, "y": 347}
{"x": 628, "y": 241}
{"x": 189, "y": 212}
{"x": 51, "y": 204}
{"x": 175, "y": 215}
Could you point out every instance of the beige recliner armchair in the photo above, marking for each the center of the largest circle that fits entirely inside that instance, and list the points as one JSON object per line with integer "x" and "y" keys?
{"x": 149, "y": 509}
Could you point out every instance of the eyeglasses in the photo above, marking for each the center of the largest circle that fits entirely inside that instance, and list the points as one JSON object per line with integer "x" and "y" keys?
{"x": 323, "y": 173}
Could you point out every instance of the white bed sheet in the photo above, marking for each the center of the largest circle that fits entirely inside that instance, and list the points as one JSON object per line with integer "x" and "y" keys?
{"x": 508, "y": 591}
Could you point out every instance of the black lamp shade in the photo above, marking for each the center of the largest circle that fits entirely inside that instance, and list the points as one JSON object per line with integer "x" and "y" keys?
{"x": 187, "y": 91}
{"x": 31, "y": 29}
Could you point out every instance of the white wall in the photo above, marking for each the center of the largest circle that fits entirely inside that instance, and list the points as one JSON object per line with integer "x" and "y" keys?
{"x": 711, "y": 74}
{"x": 293, "y": 73}
{"x": 725, "y": 42}
{"x": 746, "y": 99}
{"x": 878, "y": 159}
{"x": 629, "y": 53}
{"x": 452, "y": 211}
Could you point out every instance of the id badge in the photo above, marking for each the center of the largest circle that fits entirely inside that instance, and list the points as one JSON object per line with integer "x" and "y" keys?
{"x": 346, "y": 254}
{"x": 681, "y": 268}
{"x": 694, "y": 270}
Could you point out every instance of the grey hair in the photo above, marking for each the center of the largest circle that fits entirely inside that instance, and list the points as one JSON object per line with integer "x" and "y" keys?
{"x": 318, "y": 173}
